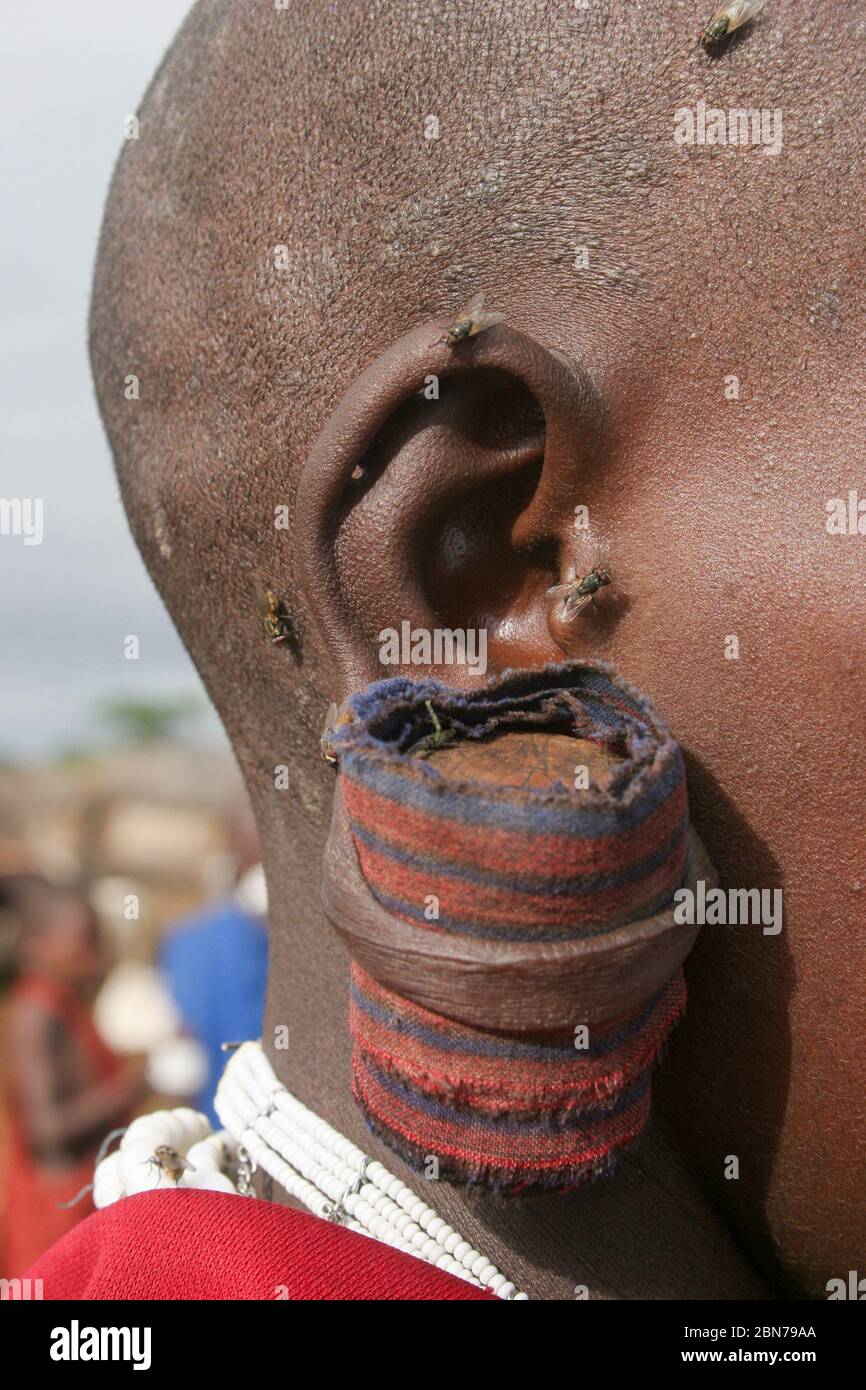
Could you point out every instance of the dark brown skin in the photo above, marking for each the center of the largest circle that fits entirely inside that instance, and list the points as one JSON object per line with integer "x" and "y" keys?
{"x": 263, "y": 388}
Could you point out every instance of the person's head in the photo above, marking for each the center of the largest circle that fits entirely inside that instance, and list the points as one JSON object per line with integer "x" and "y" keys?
{"x": 311, "y": 186}
{"x": 58, "y": 931}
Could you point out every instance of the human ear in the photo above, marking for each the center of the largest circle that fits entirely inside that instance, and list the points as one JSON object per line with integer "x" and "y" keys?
{"x": 440, "y": 494}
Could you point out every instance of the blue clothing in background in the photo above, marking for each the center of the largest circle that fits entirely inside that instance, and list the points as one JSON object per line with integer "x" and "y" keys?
{"x": 215, "y": 965}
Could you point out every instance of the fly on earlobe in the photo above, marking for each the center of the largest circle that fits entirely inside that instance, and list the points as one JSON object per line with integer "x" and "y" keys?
{"x": 569, "y": 606}
{"x": 572, "y": 603}
{"x": 576, "y": 593}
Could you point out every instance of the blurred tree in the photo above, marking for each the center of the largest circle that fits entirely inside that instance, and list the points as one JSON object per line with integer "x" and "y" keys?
{"x": 142, "y": 721}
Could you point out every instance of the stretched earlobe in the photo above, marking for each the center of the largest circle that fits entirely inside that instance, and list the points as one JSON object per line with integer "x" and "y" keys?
{"x": 432, "y": 430}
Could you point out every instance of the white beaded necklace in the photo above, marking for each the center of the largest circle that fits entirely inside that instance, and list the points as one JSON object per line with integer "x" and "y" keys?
{"x": 266, "y": 1127}
{"x": 332, "y": 1177}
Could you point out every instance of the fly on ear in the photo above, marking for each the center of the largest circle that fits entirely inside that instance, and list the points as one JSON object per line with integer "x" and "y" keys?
{"x": 469, "y": 322}
{"x": 728, "y": 18}
{"x": 579, "y": 592}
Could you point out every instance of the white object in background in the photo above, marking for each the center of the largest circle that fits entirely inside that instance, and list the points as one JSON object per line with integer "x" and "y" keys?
{"x": 133, "y": 1010}
{"x": 177, "y": 1067}
{"x": 251, "y": 892}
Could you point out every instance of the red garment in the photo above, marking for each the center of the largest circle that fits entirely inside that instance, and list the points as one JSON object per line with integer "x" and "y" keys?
{"x": 214, "y": 1245}
{"x": 32, "y": 1192}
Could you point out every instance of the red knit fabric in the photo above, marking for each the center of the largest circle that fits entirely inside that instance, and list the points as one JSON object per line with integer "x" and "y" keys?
{"x": 213, "y": 1245}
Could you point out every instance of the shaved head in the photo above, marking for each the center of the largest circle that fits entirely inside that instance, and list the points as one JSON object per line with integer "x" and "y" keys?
{"x": 284, "y": 214}
{"x": 311, "y": 184}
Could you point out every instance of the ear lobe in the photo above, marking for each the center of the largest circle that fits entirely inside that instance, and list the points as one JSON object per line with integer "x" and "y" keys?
{"x": 439, "y": 492}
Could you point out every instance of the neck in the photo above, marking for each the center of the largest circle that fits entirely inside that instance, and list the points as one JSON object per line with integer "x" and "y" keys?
{"x": 646, "y": 1232}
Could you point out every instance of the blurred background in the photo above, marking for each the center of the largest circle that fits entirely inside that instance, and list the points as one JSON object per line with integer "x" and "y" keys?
{"x": 127, "y": 862}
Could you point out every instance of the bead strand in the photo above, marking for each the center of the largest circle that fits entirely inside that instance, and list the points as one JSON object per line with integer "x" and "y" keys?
{"x": 332, "y": 1177}
{"x": 260, "y": 1134}
{"x": 429, "y": 1224}
{"x": 272, "y": 1162}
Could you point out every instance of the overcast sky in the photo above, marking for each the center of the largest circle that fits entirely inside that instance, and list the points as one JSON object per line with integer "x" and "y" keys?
{"x": 70, "y": 73}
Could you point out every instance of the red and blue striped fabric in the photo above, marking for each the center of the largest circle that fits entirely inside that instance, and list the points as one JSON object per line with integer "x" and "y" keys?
{"x": 513, "y": 1115}
{"x": 504, "y": 862}
{"x": 508, "y": 863}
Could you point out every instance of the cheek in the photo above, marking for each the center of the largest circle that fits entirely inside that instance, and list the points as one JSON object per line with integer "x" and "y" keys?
{"x": 745, "y": 624}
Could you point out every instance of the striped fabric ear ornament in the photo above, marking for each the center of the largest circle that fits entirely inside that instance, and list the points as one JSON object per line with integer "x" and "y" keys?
{"x": 543, "y": 873}
{"x": 511, "y": 1113}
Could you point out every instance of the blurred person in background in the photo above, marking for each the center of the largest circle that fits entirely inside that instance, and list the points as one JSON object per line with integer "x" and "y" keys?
{"x": 66, "y": 1088}
{"x": 215, "y": 962}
